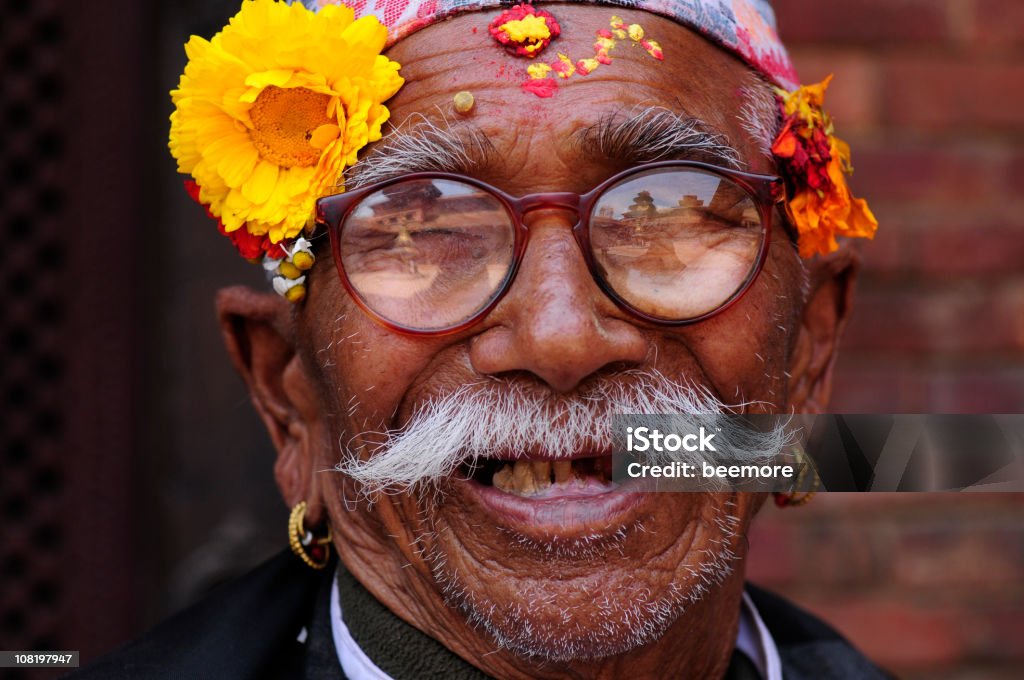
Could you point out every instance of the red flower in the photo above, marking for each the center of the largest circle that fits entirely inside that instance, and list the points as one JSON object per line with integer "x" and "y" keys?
{"x": 250, "y": 246}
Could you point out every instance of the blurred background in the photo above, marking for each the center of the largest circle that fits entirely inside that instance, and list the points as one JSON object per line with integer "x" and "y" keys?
{"x": 134, "y": 474}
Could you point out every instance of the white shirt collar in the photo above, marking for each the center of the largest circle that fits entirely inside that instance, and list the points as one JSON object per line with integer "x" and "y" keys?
{"x": 354, "y": 662}
{"x": 753, "y": 639}
{"x": 757, "y": 642}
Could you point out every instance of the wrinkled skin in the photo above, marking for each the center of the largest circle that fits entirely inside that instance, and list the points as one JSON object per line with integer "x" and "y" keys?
{"x": 306, "y": 366}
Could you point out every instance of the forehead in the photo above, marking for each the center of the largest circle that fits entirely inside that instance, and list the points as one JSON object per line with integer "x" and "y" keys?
{"x": 695, "y": 79}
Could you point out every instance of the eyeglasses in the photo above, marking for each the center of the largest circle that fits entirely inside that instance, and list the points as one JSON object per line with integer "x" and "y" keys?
{"x": 672, "y": 243}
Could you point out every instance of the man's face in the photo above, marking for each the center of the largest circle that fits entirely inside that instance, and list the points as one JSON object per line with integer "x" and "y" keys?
{"x": 577, "y": 576}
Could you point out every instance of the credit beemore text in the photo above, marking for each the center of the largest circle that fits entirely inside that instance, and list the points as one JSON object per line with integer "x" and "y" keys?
{"x": 705, "y": 470}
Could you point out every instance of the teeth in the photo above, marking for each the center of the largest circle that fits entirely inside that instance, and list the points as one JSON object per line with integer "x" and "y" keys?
{"x": 541, "y": 473}
{"x": 536, "y": 477}
{"x": 522, "y": 478}
{"x": 503, "y": 478}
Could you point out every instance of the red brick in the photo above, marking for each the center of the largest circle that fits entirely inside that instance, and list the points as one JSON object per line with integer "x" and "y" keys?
{"x": 997, "y": 24}
{"x": 843, "y": 553}
{"x": 875, "y": 389}
{"x": 898, "y": 634}
{"x": 907, "y": 173}
{"x": 974, "y": 559}
{"x": 1015, "y": 175}
{"x": 853, "y": 95}
{"x": 1000, "y": 634}
{"x": 965, "y": 318}
{"x": 894, "y": 250}
{"x": 897, "y": 22}
{"x": 994, "y": 391}
{"x": 902, "y": 510}
{"x": 933, "y": 240}
{"x": 942, "y": 592}
{"x": 771, "y": 560}
{"x": 953, "y": 93}
{"x": 970, "y": 250}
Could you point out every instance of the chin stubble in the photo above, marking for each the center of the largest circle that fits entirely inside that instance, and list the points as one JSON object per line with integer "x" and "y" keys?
{"x": 526, "y": 628}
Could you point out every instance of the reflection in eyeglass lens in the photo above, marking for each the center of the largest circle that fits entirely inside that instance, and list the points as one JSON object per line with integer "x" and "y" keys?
{"x": 676, "y": 244}
{"x": 427, "y": 253}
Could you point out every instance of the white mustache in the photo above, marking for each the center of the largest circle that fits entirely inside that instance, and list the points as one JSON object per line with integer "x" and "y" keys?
{"x": 506, "y": 419}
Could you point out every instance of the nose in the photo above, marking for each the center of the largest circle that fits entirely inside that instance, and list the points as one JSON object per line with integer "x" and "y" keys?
{"x": 554, "y": 322}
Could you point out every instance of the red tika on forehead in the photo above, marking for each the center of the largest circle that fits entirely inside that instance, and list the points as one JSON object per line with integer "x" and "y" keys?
{"x": 605, "y": 42}
{"x": 542, "y": 87}
{"x": 524, "y": 31}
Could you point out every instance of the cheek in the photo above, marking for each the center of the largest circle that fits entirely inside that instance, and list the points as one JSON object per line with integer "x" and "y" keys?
{"x": 367, "y": 371}
{"x": 338, "y": 344}
{"x": 364, "y": 371}
{"x": 745, "y": 351}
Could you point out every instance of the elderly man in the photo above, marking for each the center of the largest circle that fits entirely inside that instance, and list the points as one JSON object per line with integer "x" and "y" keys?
{"x": 575, "y": 212}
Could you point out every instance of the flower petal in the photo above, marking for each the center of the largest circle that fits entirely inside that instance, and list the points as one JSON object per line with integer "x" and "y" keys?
{"x": 261, "y": 183}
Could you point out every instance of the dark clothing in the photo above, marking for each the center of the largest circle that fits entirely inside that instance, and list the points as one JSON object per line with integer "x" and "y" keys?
{"x": 250, "y": 628}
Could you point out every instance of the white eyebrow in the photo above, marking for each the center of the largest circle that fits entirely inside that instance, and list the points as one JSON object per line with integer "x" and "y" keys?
{"x": 759, "y": 113}
{"x": 653, "y": 133}
{"x": 420, "y": 145}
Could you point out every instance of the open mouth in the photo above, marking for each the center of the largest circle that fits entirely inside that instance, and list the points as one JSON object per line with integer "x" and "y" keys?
{"x": 543, "y": 479}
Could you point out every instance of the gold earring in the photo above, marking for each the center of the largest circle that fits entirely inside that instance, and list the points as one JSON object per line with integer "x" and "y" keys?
{"x": 315, "y": 551}
{"x": 794, "y": 499}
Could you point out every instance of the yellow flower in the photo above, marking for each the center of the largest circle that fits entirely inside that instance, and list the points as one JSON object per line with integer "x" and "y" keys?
{"x": 273, "y": 108}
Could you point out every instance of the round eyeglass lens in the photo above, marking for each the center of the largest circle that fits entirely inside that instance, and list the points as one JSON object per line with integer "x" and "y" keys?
{"x": 676, "y": 243}
{"x": 427, "y": 254}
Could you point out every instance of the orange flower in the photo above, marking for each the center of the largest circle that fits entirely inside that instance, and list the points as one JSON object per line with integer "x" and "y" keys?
{"x": 815, "y": 163}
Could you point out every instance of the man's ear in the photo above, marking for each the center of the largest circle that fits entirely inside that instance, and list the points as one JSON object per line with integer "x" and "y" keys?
{"x": 821, "y": 327}
{"x": 259, "y": 334}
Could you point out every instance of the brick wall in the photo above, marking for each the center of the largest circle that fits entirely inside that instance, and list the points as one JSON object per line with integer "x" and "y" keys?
{"x": 930, "y": 94}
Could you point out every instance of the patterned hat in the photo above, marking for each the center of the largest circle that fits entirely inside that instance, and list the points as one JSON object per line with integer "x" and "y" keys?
{"x": 744, "y": 27}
